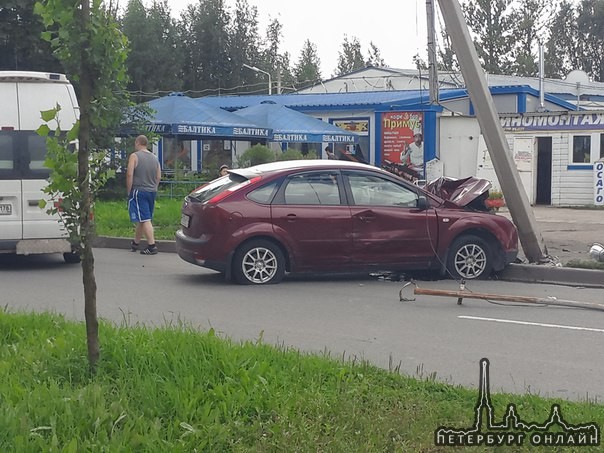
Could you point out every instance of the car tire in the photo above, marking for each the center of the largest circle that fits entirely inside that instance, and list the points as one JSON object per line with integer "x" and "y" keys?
{"x": 72, "y": 257}
{"x": 469, "y": 258}
{"x": 258, "y": 262}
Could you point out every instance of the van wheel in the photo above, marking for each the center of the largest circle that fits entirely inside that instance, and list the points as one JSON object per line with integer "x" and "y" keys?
{"x": 470, "y": 258}
{"x": 258, "y": 262}
{"x": 72, "y": 257}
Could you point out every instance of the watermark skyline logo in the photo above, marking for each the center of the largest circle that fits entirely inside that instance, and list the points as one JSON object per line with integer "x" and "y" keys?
{"x": 512, "y": 430}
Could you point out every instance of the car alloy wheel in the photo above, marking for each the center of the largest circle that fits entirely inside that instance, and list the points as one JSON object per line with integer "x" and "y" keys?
{"x": 259, "y": 262}
{"x": 469, "y": 258}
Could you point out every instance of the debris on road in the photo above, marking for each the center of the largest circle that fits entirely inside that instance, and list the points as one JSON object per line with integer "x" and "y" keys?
{"x": 462, "y": 293}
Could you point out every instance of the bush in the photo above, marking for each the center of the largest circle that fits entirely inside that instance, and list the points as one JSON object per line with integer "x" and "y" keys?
{"x": 294, "y": 154}
{"x": 256, "y": 155}
{"x": 290, "y": 154}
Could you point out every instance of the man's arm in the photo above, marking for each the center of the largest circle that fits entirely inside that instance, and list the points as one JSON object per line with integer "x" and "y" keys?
{"x": 158, "y": 176}
{"x": 132, "y": 161}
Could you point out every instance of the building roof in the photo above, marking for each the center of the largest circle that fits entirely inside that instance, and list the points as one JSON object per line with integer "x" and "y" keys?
{"x": 375, "y": 100}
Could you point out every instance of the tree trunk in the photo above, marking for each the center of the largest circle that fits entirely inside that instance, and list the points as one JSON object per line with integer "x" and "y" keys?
{"x": 88, "y": 278}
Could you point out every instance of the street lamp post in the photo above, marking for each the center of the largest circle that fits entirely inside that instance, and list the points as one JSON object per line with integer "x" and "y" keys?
{"x": 270, "y": 82}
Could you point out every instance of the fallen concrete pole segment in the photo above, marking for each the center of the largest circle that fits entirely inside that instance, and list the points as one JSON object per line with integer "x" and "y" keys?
{"x": 463, "y": 294}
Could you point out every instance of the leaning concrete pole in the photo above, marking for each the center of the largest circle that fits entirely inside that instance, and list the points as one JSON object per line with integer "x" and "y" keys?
{"x": 504, "y": 165}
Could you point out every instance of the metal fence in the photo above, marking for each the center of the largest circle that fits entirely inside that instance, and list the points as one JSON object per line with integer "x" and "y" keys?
{"x": 177, "y": 189}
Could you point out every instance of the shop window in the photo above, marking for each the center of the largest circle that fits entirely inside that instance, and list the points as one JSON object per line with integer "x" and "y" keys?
{"x": 581, "y": 149}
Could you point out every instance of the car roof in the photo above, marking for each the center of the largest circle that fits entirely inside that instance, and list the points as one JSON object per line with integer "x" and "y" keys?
{"x": 309, "y": 164}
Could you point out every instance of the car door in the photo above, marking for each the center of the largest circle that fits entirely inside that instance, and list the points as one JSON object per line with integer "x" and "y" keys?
{"x": 388, "y": 228}
{"x": 310, "y": 214}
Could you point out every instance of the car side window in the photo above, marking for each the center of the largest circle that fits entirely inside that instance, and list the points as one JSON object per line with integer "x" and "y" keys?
{"x": 264, "y": 194}
{"x": 313, "y": 189}
{"x": 373, "y": 190}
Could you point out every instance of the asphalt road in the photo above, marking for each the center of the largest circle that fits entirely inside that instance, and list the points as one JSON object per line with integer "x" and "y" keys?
{"x": 551, "y": 351}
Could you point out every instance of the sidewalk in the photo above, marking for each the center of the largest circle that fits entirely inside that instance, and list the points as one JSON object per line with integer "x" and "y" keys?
{"x": 568, "y": 233}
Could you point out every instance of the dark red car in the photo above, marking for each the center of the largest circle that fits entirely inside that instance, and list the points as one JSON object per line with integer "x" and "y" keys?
{"x": 256, "y": 224}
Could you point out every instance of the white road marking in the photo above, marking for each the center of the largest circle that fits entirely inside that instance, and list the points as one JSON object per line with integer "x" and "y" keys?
{"x": 526, "y": 323}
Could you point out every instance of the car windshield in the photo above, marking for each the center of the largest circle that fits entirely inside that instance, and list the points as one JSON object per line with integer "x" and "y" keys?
{"x": 213, "y": 188}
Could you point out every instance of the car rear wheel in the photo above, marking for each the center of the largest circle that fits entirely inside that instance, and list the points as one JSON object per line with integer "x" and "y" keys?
{"x": 469, "y": 258}
{"x": 258, "y": 262}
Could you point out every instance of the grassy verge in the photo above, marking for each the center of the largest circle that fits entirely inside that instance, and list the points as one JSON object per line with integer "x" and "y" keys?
{"x": 585, "y": 264}
{"x": 175, "y": 389}
{"x": 112, "y": 219}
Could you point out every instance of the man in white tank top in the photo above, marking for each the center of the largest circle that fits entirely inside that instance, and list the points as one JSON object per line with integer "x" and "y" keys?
{"x": 142, "y": 180}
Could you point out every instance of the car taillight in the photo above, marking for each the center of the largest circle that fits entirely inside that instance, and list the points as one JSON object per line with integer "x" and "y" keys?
{"x": 57, "y": 205}
{"x": 222, "y": 195}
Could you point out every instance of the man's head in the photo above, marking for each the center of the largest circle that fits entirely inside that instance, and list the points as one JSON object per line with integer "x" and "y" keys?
{"x": 223, "y": 170}
{"x": 141, "y": 142}
{"x": 418, "y": 137}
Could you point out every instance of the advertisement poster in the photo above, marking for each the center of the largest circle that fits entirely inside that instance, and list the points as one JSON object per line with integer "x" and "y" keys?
{"x": 403, "y": 144}
{"x": 358, "y": 152}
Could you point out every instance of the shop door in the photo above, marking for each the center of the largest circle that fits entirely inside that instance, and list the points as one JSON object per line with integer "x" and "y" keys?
{"x": 544, "y": 170}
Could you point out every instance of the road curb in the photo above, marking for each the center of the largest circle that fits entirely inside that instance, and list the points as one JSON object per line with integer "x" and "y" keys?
{"x": 124, "y": 243}
{"x": 535, "y": 273}
{"x": 527, "y": 273}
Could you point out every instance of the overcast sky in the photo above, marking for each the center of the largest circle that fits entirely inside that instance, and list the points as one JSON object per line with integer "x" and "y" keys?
{"x": 396, "y": 27}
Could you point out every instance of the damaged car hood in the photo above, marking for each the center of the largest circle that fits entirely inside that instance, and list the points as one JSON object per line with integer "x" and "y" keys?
{"x": 461, "y": 192}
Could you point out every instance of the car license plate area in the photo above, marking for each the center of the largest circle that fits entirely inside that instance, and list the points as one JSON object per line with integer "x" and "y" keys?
{"x": 185, "y": 220}
{"x": 6, "y": 209}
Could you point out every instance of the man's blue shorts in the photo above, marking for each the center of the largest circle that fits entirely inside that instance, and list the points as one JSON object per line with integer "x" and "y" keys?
{"x": 141, "y": 205}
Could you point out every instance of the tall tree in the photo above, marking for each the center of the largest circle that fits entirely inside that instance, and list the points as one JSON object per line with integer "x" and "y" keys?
{"x": 307, "y": 70}
{"x": 155, "y": 58}
{"x": 204, "y": 33}
{"x": 530, "y": 21}
{"x": 375, "y": 56}
{"x": 21, "y": 47}
{"x": 577, "y": 39}
{"x": 350, "y": 57}
{"x": 447, "y": 61}
{"x": 492, "y": 24}
{"x": 562, "y": 46}
{"x": 87, "y": 40}
{"x": 244, "y": 44}
{"x": 590, "y": 23}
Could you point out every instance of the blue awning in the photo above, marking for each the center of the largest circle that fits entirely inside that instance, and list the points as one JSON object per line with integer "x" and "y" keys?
{"x": 291, "y": 126}
{"x": 183, "y": 116}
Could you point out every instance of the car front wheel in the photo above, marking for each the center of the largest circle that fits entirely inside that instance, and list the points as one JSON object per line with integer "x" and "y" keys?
{"x": 258, "y": 262}
{"x": 72, "y": 257}
{"x": 469, "y": 258}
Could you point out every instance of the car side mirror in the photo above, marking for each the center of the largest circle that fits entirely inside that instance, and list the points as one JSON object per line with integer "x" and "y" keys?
{"x": 423, "y": 203}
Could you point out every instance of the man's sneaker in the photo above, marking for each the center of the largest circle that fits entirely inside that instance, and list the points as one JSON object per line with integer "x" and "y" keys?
{"x": 150, "y": 250}
{"x": 133, "y": 246}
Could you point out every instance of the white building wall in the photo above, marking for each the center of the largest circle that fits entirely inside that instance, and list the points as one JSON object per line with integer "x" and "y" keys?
{"x": 459, "y": 145}
{"x": 463, "y": 152}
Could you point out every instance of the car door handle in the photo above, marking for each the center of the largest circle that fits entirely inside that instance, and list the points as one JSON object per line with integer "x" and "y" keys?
{"x": 367, "y": 217}
{"x": 291, "y": 217}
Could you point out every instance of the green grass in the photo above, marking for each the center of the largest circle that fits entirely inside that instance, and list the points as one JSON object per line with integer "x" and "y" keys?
{"x": 179, "y": 390}
{"x": 585, "y": 264}
{"x": 111, "y": 218}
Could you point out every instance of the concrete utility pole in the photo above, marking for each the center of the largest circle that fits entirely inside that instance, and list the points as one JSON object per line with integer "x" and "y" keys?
{"x": 504, "y": 165}
{"x": 432, "y": 68}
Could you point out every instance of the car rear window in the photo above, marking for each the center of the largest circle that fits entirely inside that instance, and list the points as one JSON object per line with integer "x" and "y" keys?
{"x": 207, "y": 192}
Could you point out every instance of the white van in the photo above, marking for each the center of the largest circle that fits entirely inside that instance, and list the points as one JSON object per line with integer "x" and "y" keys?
{"x": 25, "y": 228}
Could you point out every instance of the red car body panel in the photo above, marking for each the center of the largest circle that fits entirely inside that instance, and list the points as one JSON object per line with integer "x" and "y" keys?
{"x": 340, "y": 237}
